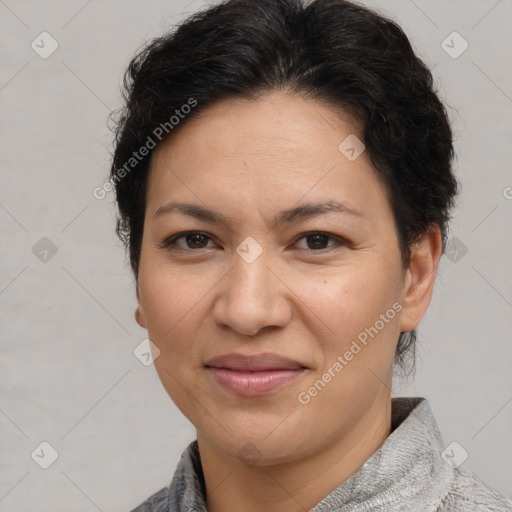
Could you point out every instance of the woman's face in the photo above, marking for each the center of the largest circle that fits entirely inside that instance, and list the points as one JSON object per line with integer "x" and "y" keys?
{"x": 250, "y": 285}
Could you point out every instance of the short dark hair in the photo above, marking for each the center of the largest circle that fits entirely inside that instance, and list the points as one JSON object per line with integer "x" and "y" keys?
{"x": 335, "y": 51}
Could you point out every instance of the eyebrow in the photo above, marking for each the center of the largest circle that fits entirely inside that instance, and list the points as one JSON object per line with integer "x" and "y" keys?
{"x": 301, "y": 212}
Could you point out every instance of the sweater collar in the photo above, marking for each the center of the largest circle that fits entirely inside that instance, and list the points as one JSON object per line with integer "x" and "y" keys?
{"x": 406, "y": 472}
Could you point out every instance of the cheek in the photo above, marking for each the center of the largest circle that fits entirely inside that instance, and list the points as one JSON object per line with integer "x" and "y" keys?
{"x": 174, "y": 305}
{"x": 349, "y": 299}
{"x": 172, "y": 301}
{"x": 351, "y": 303}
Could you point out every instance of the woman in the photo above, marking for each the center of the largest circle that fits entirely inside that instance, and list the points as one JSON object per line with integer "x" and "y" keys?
{"x": 284, "y": 183}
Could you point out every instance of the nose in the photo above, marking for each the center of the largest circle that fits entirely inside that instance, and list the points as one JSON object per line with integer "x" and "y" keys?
{"x": 252, "y": 297}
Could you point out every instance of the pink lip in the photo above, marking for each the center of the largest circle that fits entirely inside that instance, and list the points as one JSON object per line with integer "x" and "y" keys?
{"x": 254, "y": 362}
{"x": 253, "y": 383}
{"x": 253, "y": 375}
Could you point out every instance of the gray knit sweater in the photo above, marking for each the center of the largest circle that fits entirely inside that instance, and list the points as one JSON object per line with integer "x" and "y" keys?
{"x": 407, "y": 473}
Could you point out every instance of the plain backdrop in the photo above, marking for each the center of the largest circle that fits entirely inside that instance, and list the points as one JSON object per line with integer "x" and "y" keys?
{"x": 68, "y": 373}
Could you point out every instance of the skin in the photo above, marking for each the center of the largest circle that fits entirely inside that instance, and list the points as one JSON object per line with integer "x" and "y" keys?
{"x": 248, "y": 160}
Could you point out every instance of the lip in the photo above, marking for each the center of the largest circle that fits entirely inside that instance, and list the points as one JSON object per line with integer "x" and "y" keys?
{"x": 253, "y": 375}
{"x": 253, "y": 383}
{"x": 254, "y": 362}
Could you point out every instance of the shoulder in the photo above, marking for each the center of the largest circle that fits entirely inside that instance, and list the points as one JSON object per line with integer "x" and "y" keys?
{"x": 155, "y": 503}
{"x": 468, "y": 493}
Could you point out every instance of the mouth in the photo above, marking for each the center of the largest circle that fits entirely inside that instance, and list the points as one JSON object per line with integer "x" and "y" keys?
{"x": 254, "y": 375}
{"x": 253, "y": 383}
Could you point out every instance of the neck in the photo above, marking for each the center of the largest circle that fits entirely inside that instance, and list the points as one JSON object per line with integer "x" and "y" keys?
{"x": 299, "y": 484}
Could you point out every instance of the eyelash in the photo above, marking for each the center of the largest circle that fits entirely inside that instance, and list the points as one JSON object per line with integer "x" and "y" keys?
{"x": 170, "y": 243}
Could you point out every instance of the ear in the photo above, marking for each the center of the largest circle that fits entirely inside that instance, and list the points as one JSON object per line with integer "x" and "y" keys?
{"x": 140, "y": 315}
{"x": 420, "y": 277}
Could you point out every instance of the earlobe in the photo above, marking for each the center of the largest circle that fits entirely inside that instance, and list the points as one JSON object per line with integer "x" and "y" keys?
{"x": 140, "y": 316}
{"x": 420, "y": 278}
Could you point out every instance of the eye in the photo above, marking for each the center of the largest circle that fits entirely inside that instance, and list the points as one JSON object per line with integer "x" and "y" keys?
{"x": 191, "y": 239}
{"x": 317, "y": 240}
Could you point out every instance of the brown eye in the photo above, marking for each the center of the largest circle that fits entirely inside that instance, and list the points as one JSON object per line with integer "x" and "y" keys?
{"x": 319, "y": 241}
{"x": 193, "y": 240}
{"x": 196, "y": 240}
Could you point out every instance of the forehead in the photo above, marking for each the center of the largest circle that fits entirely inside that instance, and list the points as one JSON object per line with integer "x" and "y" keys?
{"x": 264, "y": 153}
{"x": 275, "y": 125}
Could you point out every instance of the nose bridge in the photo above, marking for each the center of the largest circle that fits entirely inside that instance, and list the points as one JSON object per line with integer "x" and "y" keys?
{"x": 251, "y": 275}
{"x": 251, "y": 298}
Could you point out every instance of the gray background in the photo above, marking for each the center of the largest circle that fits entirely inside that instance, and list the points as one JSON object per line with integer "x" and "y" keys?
{"x": 68, "y": 374}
